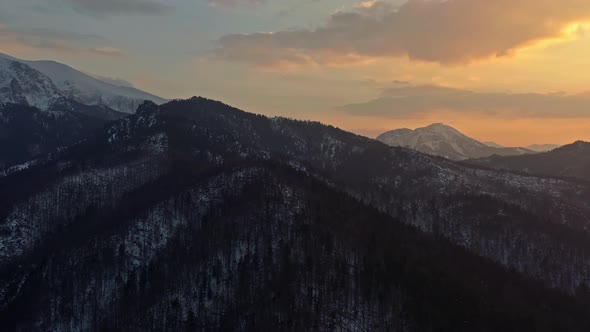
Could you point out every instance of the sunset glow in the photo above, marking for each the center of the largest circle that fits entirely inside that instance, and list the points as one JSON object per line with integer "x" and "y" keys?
{"x": 263, "y": 55}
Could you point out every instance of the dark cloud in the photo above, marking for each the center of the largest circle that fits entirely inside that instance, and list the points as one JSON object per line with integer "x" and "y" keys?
{"x": 407, "y": 102}
{"x": 442, "y": 31}
{"x": 119, "y": 7}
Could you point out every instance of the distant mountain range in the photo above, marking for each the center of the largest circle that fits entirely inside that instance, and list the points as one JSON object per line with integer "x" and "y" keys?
{"x": 533, "y": 147}
{"x": 441, "y": 140}
{"x": 40, "y": 83}
{"x": 571, "y": 160}
{"x": 543, "y": 147}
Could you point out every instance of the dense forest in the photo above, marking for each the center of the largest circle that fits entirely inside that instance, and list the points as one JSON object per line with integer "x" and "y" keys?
{"x": 27, "y": 132}
{"x": 569, "y": 161}
{"x": 264, "y": 247}
{"x": 197, "y": 216}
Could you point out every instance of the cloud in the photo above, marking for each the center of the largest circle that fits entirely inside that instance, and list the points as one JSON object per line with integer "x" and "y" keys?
{"x": 110, "y": 51}
{"x": 233, "y": 3}
{"x": 448, "y": 32}
{"x": 412, "y": 101}
{"x": 113, "y": 80}
{"x": 101, "y": 8}
{"x": 16, "y": 40}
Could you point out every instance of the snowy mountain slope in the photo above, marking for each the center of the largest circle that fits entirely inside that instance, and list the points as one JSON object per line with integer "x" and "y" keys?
{"x": 86, "y": 89}
{"x": 445, "y": 141}
{"x": 21, "y": 84}
{"x": 493, "y": 144}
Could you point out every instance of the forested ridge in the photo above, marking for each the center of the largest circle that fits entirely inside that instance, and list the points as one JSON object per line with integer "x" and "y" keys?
{"x": 198, "y": 216}
{"x": 27, "y": 133}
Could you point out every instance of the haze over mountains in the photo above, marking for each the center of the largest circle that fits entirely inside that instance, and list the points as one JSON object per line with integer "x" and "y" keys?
{"x": 532, "y": 147}
{"x": 195, "y": 215}
{"x": 441, "y": 140}
{"x": 543, "y": 147}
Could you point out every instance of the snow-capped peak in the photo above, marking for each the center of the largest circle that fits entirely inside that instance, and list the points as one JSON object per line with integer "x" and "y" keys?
{"x": 442, "y": 129}
{"x": 21, "y": 84}
{"x": 63, "y": 80}
{"x": 445, "y": 141}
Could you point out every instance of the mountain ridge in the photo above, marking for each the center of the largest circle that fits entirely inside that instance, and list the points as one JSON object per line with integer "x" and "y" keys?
{"x": 73, "y": 84}
{"x": 543, "y": 147}
{"x": 21, "y": 84}
{"x": 571, "y": 160}
{"x": 195, "y": 213}
{"x": 382, "y": 176}
{"x": 28, "y": 133}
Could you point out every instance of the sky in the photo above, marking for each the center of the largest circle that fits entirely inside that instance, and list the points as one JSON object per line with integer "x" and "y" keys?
{"x": 510, "y": 71}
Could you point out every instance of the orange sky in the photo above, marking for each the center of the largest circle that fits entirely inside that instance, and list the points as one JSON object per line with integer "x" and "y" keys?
{"x": 515, "y": 132}
{"x": 556, "y": 65}
{"x": 516, "y": 70}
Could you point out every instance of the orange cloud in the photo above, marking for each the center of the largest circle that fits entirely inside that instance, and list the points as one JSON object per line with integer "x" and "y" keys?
{"x": 441, "y": 31}
{"x": 515, "y": 132}
{"x": 411, "y": 101}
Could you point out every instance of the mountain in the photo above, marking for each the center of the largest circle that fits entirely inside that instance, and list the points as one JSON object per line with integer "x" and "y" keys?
{"x": 441, "y": 140}
{"x": 194, "y": 215}
{"x": 38, "y": 82}
{"x": 543, "y": 147}
{"x": 534, "y": 147}
{"x": 571, "y": 160}
{"x": 27, "y": 133}
{"x": 21, "y": 84}
{"x": 494, "y": 144}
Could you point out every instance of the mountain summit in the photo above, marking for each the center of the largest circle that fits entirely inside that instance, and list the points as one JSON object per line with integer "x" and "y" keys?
{"x": 40, "y": 83}
{"x": 442, "y": 140}
{"x": 21, "y": 84}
